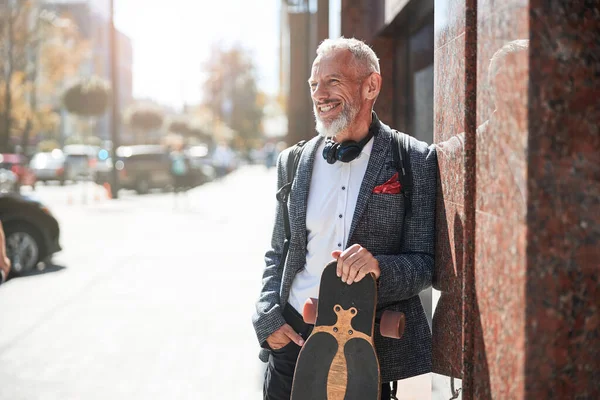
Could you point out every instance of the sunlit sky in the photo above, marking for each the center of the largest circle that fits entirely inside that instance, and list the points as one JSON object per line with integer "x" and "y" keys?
{"x": 172, "y": 39}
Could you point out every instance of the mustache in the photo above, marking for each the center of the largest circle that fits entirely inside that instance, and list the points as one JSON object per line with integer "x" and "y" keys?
{"x": 326, "y": 102}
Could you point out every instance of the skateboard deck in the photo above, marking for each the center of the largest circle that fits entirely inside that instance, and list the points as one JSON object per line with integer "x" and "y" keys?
{"x": 338, "y": 361}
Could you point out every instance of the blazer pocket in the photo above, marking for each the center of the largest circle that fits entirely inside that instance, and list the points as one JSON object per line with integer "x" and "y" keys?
{"x": 385, "y": 215}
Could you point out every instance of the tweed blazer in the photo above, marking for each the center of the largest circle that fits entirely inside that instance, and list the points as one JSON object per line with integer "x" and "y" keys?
{"x": 403, "y": 246}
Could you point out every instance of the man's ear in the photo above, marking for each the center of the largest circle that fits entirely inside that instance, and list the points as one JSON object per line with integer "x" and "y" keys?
{"x": 372, "y": 86}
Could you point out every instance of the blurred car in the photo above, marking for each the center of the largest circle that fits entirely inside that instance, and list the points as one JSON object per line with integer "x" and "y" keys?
{"x": 80, "y": 161}
{"x": 201, "y": 165}
{"x": 144, "y": 167}
{"x": 31, "y": 231}
{"x": 49, "y": 166}
{"x": 17, "y": 163}
{"x": 8, "y": 181}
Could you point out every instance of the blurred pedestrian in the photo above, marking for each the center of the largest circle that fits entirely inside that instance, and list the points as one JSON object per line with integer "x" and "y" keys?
{"x": 180, "y": 172}
{"x": 349, "y": 205}
{"x": 223, "y": 158}
{"x": 270, "y": 154}
{"x": 4, "y": 260}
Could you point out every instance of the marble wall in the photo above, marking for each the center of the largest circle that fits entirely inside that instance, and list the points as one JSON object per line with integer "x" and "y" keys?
{"x": 357, "y": 16}
{"x": 449, "y": 134}
{"x": 384, "y": 107}
{"x": 518, "y": 252}
{"x": 562, "y": 346}
{"x": 501, "y": 173}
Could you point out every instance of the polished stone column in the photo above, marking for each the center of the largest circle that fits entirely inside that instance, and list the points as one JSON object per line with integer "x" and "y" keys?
{"x": 518, "y": 252}
{"x": 562, "y": 310}
{"x": 449, "y": 134}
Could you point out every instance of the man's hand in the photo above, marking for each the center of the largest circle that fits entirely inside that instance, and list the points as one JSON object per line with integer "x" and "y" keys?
{"x": 355, "y": 263}
{"x": 283, "y": 336}
{"x": 4, "y": 267}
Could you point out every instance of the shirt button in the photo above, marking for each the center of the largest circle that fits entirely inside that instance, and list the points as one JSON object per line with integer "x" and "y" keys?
{"x": 343, "y": 187}
{"x": 339, "y": 245}
{"x": 340, "y": 215}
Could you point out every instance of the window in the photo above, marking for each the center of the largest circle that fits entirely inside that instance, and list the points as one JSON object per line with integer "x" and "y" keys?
{"x": 413, "y": 78}
{"x": 420, "y": 83}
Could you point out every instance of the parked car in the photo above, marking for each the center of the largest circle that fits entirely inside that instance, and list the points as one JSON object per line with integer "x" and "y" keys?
{"x": 144, "y": 167}
{"x": 49, "y": 166}
{"x": 31, "y": 231}
{"x": 17, "y": 163}
{"x": 8, "y": 181}
{"x": 80, "y": 161}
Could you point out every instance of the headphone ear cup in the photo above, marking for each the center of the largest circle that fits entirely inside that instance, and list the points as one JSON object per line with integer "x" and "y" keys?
{"x": 348, "y": 151}
{"x": 329, "y": 151}
{"x": 333, "y": 153}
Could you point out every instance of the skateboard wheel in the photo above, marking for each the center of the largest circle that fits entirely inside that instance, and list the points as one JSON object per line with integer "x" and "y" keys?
{"x": 392, "y": 324}
{"x": 309, "y": 312}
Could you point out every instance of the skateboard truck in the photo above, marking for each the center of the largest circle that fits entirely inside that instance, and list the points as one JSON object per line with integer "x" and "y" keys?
{"x": 391, "y": 323}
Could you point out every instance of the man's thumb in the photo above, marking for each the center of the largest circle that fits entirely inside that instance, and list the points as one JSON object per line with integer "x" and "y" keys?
{"x": 336, "y": 254}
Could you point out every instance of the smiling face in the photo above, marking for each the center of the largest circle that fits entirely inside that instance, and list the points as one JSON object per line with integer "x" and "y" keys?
{"x": 336, "y": 88}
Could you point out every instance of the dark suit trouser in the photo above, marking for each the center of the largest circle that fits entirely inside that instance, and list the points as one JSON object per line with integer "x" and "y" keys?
{"x": 282, "y": 362}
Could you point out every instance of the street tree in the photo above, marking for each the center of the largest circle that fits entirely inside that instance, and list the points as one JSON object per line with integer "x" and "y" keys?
{"x": 39, "y": 51}
{"x": 56, "y": 52}
{"x": 144, "y": 118}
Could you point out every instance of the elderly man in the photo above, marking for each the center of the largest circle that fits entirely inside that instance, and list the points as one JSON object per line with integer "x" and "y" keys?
{"x": 336, "y": 213}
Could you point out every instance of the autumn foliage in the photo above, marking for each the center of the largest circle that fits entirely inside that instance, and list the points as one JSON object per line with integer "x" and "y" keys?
{"x": 40, "y": 52}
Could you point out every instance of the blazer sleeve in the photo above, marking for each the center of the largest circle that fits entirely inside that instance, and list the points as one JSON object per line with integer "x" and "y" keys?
{"x": 268, "y": 316}
{"x": 406, "y": 274}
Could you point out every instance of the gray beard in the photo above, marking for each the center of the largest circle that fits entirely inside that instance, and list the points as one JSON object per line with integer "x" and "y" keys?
{"x": 337, "y": 125}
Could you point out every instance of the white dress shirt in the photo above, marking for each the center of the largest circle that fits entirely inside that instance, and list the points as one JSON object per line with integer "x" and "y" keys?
{"x": 332, "y": 199}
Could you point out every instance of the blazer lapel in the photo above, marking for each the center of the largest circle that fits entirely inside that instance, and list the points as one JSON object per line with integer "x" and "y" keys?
{"x": 300, "y": 188}
{"x": 381, "y": 146}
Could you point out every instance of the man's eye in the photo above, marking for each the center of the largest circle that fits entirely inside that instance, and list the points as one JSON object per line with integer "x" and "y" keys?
{"x": 334, "y": 81}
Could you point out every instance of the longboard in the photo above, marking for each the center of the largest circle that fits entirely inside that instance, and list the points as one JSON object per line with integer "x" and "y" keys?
{"x": 338, "y": 360}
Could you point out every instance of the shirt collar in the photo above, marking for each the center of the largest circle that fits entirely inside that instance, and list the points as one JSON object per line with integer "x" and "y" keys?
{"x": 366, "y": 151}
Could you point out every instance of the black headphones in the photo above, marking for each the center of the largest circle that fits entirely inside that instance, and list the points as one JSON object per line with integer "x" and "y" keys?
{"x": 345, "y": 151}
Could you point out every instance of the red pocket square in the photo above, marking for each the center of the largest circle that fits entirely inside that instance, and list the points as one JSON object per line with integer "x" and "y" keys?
{"x": 390, "y": 187}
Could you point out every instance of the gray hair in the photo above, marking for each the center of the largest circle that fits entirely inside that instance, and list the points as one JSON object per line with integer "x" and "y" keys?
{"x": 499, "y": 58}
{"x": 363, "y": 54}
{"x": 498, "y": 61}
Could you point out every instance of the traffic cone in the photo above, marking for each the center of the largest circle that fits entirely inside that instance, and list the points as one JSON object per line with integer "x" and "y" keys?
{"x": 108, "y": 190}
